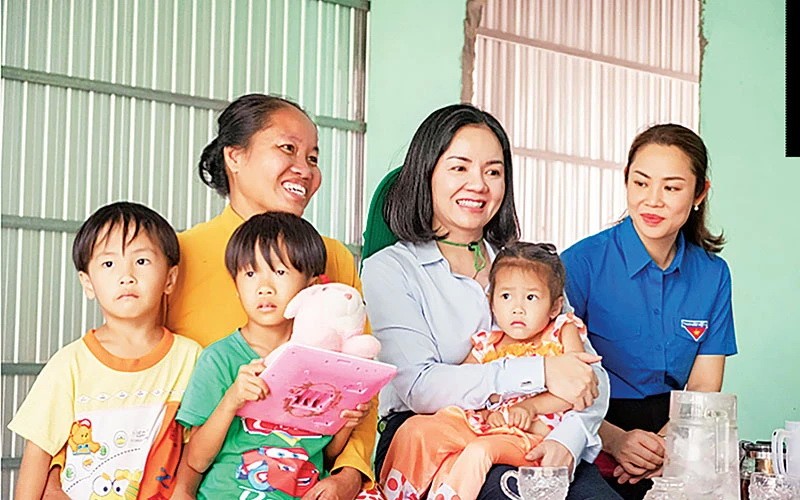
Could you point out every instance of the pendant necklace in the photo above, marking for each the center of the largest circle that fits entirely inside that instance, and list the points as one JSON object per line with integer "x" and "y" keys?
{"x": 478, "y": 259}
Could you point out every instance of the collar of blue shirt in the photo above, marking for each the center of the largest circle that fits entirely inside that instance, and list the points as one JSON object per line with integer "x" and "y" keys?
{"x": 635, "y": 254}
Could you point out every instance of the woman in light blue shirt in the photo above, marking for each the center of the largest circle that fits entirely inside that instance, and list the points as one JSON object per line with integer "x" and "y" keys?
{"x": 452, "y": 206}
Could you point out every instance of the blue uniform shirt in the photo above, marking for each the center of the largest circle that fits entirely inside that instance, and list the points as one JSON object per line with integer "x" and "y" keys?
{"x": 649, "y": 324}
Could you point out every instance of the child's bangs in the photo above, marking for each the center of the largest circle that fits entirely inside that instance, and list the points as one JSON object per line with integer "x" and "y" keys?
{"x": 269, "y": 249}
{"x": 276, "y": 235}
{"x": 130, "y": 227}
{"x": 131, "y": 219}
{"x": 250, "y": 244}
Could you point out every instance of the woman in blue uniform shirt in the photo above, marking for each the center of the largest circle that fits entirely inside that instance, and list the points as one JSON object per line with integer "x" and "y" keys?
{"x": 656, "y": 299}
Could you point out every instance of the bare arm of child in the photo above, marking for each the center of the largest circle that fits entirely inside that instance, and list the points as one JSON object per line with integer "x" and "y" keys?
{"x": 33, "y": 472}
{"x": 207, "y": 439}
{"x": 545, "y": 402}
{"x": 571, "y": 339}
{"x": 353, "y": 418}
{"x": 187, "y": 480}
{"x": 53, "y": 490}
{"x": 337, "y": 444}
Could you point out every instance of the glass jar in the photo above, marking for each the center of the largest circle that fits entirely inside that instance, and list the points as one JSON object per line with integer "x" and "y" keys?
{"x": 702, "y": 444}
{"x": 666, "y": 488}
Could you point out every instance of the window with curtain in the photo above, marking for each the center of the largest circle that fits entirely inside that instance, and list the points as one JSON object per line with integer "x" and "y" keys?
{"x": 573, "y": 82}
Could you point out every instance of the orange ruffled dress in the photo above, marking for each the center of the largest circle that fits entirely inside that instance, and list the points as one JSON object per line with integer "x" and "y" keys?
{"x": 451, "y": 451}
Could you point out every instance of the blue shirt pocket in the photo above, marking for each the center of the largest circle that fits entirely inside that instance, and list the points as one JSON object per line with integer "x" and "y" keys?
{"x": 620, "y": 344}
{"x": 683, "y": 348}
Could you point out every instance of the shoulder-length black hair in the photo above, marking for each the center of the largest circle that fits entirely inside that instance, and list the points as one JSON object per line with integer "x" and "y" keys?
{"x": 695, "y": 230}
{"x": 409, "y": 204}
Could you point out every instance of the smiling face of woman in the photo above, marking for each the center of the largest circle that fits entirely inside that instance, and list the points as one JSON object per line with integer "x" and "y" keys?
{"x": 467, "y": 184}
{"x": 660, "y": 193}
{"x": 278, "y": 170}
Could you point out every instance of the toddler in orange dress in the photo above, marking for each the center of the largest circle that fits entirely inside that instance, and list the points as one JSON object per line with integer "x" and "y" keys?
{"x": 450, "y": 452}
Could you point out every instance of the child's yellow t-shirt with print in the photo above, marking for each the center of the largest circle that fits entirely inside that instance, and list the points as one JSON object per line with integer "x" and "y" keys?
{"x": 116, "y": 416}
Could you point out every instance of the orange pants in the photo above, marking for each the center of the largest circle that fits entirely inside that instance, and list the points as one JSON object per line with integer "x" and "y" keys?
{"x": 444, "y": 453}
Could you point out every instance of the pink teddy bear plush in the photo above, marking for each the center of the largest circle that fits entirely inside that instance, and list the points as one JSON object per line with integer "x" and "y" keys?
{"x": 331, "y": 316}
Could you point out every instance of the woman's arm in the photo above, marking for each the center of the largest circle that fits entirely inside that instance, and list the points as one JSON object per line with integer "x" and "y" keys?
{"x": 33, "y": 472}
{"x": 706, "y": 374}
{"x": 638, "y": 452}
{"x": 578, "y": 431}
{"x": 398, "y": 313}
{"x": 641, "y": 453}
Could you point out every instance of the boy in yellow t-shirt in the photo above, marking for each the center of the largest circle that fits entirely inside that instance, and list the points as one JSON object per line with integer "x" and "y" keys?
{"x": 109, "y": 399}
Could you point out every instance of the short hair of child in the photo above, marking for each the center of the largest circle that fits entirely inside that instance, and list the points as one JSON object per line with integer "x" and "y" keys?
{"x": 539, "y": 258}
{"x": 277, "y": 233}
{"x": 132, "y": 218}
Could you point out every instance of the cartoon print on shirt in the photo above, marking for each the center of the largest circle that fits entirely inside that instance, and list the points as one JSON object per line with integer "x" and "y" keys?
{"x": 284, "y": 469}
{"x": 290, "y": 435}
{"x": 695, "y": 327}
{"x": 80, "y": 438}
{"x": 123, "y": 486}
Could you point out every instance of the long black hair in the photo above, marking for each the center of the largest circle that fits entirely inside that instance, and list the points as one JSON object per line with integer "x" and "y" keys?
{"x": 695, "y": 230}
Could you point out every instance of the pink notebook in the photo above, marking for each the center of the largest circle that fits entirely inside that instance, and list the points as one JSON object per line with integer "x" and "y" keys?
{"x": 309, "y": 387}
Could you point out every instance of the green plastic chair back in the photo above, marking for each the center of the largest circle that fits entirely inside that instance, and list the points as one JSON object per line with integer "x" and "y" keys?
{"x": 377, "y": 234}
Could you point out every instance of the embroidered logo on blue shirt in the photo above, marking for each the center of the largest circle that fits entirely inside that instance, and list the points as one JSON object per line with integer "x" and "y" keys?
{"x": 696, "y": 327}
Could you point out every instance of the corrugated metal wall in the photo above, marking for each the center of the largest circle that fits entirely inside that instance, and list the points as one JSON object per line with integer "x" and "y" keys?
{"x": 573, "y": 82}
{"x": 114, "y": 99}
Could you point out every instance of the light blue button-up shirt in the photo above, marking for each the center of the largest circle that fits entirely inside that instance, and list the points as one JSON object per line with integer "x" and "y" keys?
{"x": 424, "y": 315}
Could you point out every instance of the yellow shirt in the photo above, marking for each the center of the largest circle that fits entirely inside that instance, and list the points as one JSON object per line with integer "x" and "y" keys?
{"x": 116, "y": 416}
{"x": 205, "y": 307}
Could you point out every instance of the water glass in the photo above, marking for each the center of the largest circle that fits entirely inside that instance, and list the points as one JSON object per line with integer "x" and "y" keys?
{"x": 765, "y": 486}
{"x": 666, "y": 488}
{"x": 537, "y": 483}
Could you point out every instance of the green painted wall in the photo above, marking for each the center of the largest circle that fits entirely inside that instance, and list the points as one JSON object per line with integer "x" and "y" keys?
{"x": 414, "y": 68}
{"x": 755, "y": 200}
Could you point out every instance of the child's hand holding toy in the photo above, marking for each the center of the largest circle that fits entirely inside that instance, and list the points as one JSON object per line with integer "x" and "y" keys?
{"x": 248, "y": 386}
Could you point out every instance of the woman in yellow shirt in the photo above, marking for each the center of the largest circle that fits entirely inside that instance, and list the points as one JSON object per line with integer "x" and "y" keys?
{"x": 264, "y": 158}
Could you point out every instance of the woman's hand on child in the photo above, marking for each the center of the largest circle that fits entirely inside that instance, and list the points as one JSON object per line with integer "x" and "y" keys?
{"x": 248, "y": 386}
{"x": 570, "y": 377}
{"x": 551, "y": 453}
{"x": 354, "y": 417}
